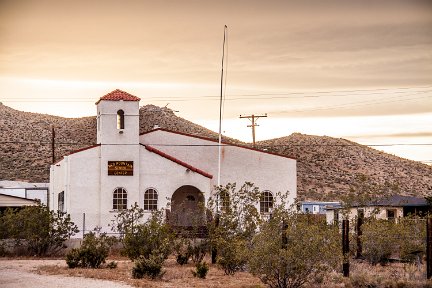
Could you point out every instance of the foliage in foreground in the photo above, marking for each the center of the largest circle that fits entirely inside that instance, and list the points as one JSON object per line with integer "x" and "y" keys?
{"x": 40, "y": 231}
{"x": 304, "y": 252}
{"x": 201, "y": 270}
{"x": 384, "y": 239}
{"x": 143, "y": 239}
{"x": 150, "y": 266}
{"x": 92, "y": 253}
{"x": 237, "y": 221}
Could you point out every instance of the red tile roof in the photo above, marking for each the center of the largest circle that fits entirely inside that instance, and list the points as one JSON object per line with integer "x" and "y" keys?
{"x": 184, "y": 164}
{"x": 118, "y": 95}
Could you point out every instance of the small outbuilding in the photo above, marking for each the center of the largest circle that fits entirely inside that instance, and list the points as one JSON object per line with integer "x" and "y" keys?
{"x": 388, "y": 208}
{"x": 14, "y": 202}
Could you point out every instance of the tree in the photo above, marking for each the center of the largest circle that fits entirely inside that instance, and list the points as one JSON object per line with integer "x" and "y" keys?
{"x": 127, "y": 220}
{"x": 37, "y": 228}
{"x": 238, "y": 220}
{"x": 291, "y": 258}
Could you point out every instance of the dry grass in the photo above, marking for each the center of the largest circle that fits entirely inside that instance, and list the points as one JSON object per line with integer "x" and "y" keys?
{"x": 175, "y": 275}
{"x": 361, "y": 275}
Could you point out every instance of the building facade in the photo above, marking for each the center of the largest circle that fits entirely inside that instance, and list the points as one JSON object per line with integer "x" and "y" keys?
{"x": 158, "y": 170}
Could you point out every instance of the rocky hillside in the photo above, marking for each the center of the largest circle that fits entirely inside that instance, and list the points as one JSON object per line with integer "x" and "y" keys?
{"x": 326, "y": 166}
{"x": 25, "y": 138}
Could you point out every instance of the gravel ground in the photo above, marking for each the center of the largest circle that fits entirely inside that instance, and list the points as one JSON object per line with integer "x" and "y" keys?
{"x": 21, "y": 274}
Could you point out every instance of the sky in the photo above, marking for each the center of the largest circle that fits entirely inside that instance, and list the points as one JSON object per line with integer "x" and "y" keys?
{"x": 360, "y": 70}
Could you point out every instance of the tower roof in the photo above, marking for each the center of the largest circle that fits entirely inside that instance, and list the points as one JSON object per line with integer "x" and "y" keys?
{"x": 118, "y": 95}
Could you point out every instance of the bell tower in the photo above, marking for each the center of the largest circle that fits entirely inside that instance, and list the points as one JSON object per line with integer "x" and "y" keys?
{"x": 118, "y": 118}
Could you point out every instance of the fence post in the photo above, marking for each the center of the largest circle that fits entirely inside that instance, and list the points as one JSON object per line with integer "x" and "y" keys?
{"x": 214, "y": 249}
{"x": 429, "y": 247}
{"x": 359, "y": 234}
{"x": 345, "y": 247}
{"x": 84, "y": 224}
{"x": 284, "y": 236}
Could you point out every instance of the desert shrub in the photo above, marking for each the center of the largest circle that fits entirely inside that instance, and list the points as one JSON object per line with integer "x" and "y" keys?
{"x": 197, "y": 249}
{"x": 3, "y": 251}
{"x": 154, "y": 236}
{"x": 306, "y": 251}
{"x": 181, "y": 250}
{"x": 150, "y": 267}
{"x": 92, "y": 253}
{"x": 182, "y": 259}
{"x": 201, "y": 270}
{"x": 232, "y": 256}
{"x": 237, "y": 221}
{"x": 412, "y": 238}
{"x": 40, "y": 231}
{"x": 378, "y": 241}
{"x": 73, "y": 258}
{"x": 383, "y": 239}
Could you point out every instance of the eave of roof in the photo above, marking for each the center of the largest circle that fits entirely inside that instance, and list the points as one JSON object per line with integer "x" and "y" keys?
{"x": 175, "y": 160}
{"x": 77, "y": 151}
{"x": 212, "y": 140}
{"x": 21, "y": 198}
{"x": 118, "y": 95}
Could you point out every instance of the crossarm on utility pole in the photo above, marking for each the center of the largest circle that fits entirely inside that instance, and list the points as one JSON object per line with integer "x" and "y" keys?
{"x": 253, "y": 118}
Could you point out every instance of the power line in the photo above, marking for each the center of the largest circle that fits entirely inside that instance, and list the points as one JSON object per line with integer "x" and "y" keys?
{"x": 302, "y": 94}
{"x": 228, "y": 144}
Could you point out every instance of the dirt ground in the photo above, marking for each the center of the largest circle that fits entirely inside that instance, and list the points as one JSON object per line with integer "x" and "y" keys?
{"x": 24, "y": 274}
{"x": 54, "y": 273}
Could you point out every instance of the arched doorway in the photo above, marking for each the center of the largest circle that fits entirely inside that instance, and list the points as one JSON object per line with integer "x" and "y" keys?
{"x": 187, "y": 207}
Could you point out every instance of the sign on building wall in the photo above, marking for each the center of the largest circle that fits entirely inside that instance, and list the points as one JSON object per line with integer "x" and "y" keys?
{"x": 120, "y": 168}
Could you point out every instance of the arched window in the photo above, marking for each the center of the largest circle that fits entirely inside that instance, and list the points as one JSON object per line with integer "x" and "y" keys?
{"x": 120, "y": 119}
{"x": 266, "y": 202}
{"x": 119, "y": 199}
{"x": 150, "y": 199}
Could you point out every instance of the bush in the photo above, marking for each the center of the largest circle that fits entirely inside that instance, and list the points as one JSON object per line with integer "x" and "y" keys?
{"x": 383, "y": 239}
{"x": 182, "y": 259}
{"x": 41, "y": 231}
{"x": 151, "y": 267}
{"x": 73, "y": 258}
{"x": 201, "y": 270}
{"x": 307, "y": 251}
{"x": 379, "y": 240}
{"x": 154, "y": 236}
{"x": 197, "y": 249}
{"x": 92, "y": 253}
{"x": 232, "y": 255}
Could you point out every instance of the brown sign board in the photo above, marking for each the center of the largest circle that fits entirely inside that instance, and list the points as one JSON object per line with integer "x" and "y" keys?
{"x": 120, "y": 168}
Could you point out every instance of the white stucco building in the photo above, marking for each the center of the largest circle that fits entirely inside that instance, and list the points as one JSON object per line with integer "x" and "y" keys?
{"x": 159, "y": 169}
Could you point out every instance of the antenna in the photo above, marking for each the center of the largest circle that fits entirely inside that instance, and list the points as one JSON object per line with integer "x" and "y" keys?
{"x": 220, "y": 108}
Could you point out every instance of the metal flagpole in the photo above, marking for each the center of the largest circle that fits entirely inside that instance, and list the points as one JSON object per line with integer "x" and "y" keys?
{"x": 220, "y": 111}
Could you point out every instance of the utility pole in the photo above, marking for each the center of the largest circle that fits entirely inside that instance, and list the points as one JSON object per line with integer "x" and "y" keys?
{"x": 253, "y": 119}
{"x": 53, "y": 144}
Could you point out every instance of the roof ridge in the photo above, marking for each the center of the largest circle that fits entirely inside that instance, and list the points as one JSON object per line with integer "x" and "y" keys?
{"x": 118, "y": 95}
{"x": 178, "y": 161}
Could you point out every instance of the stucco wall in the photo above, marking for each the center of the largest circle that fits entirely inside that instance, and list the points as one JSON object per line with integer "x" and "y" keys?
{"x": 266, "y": 171}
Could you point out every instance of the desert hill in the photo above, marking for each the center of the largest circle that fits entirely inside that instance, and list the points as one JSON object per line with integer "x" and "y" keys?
{"x": 327, "y": 167}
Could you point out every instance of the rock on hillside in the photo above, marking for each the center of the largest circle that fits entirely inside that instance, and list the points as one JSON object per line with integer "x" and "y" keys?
{"x": 327, "y": 167}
